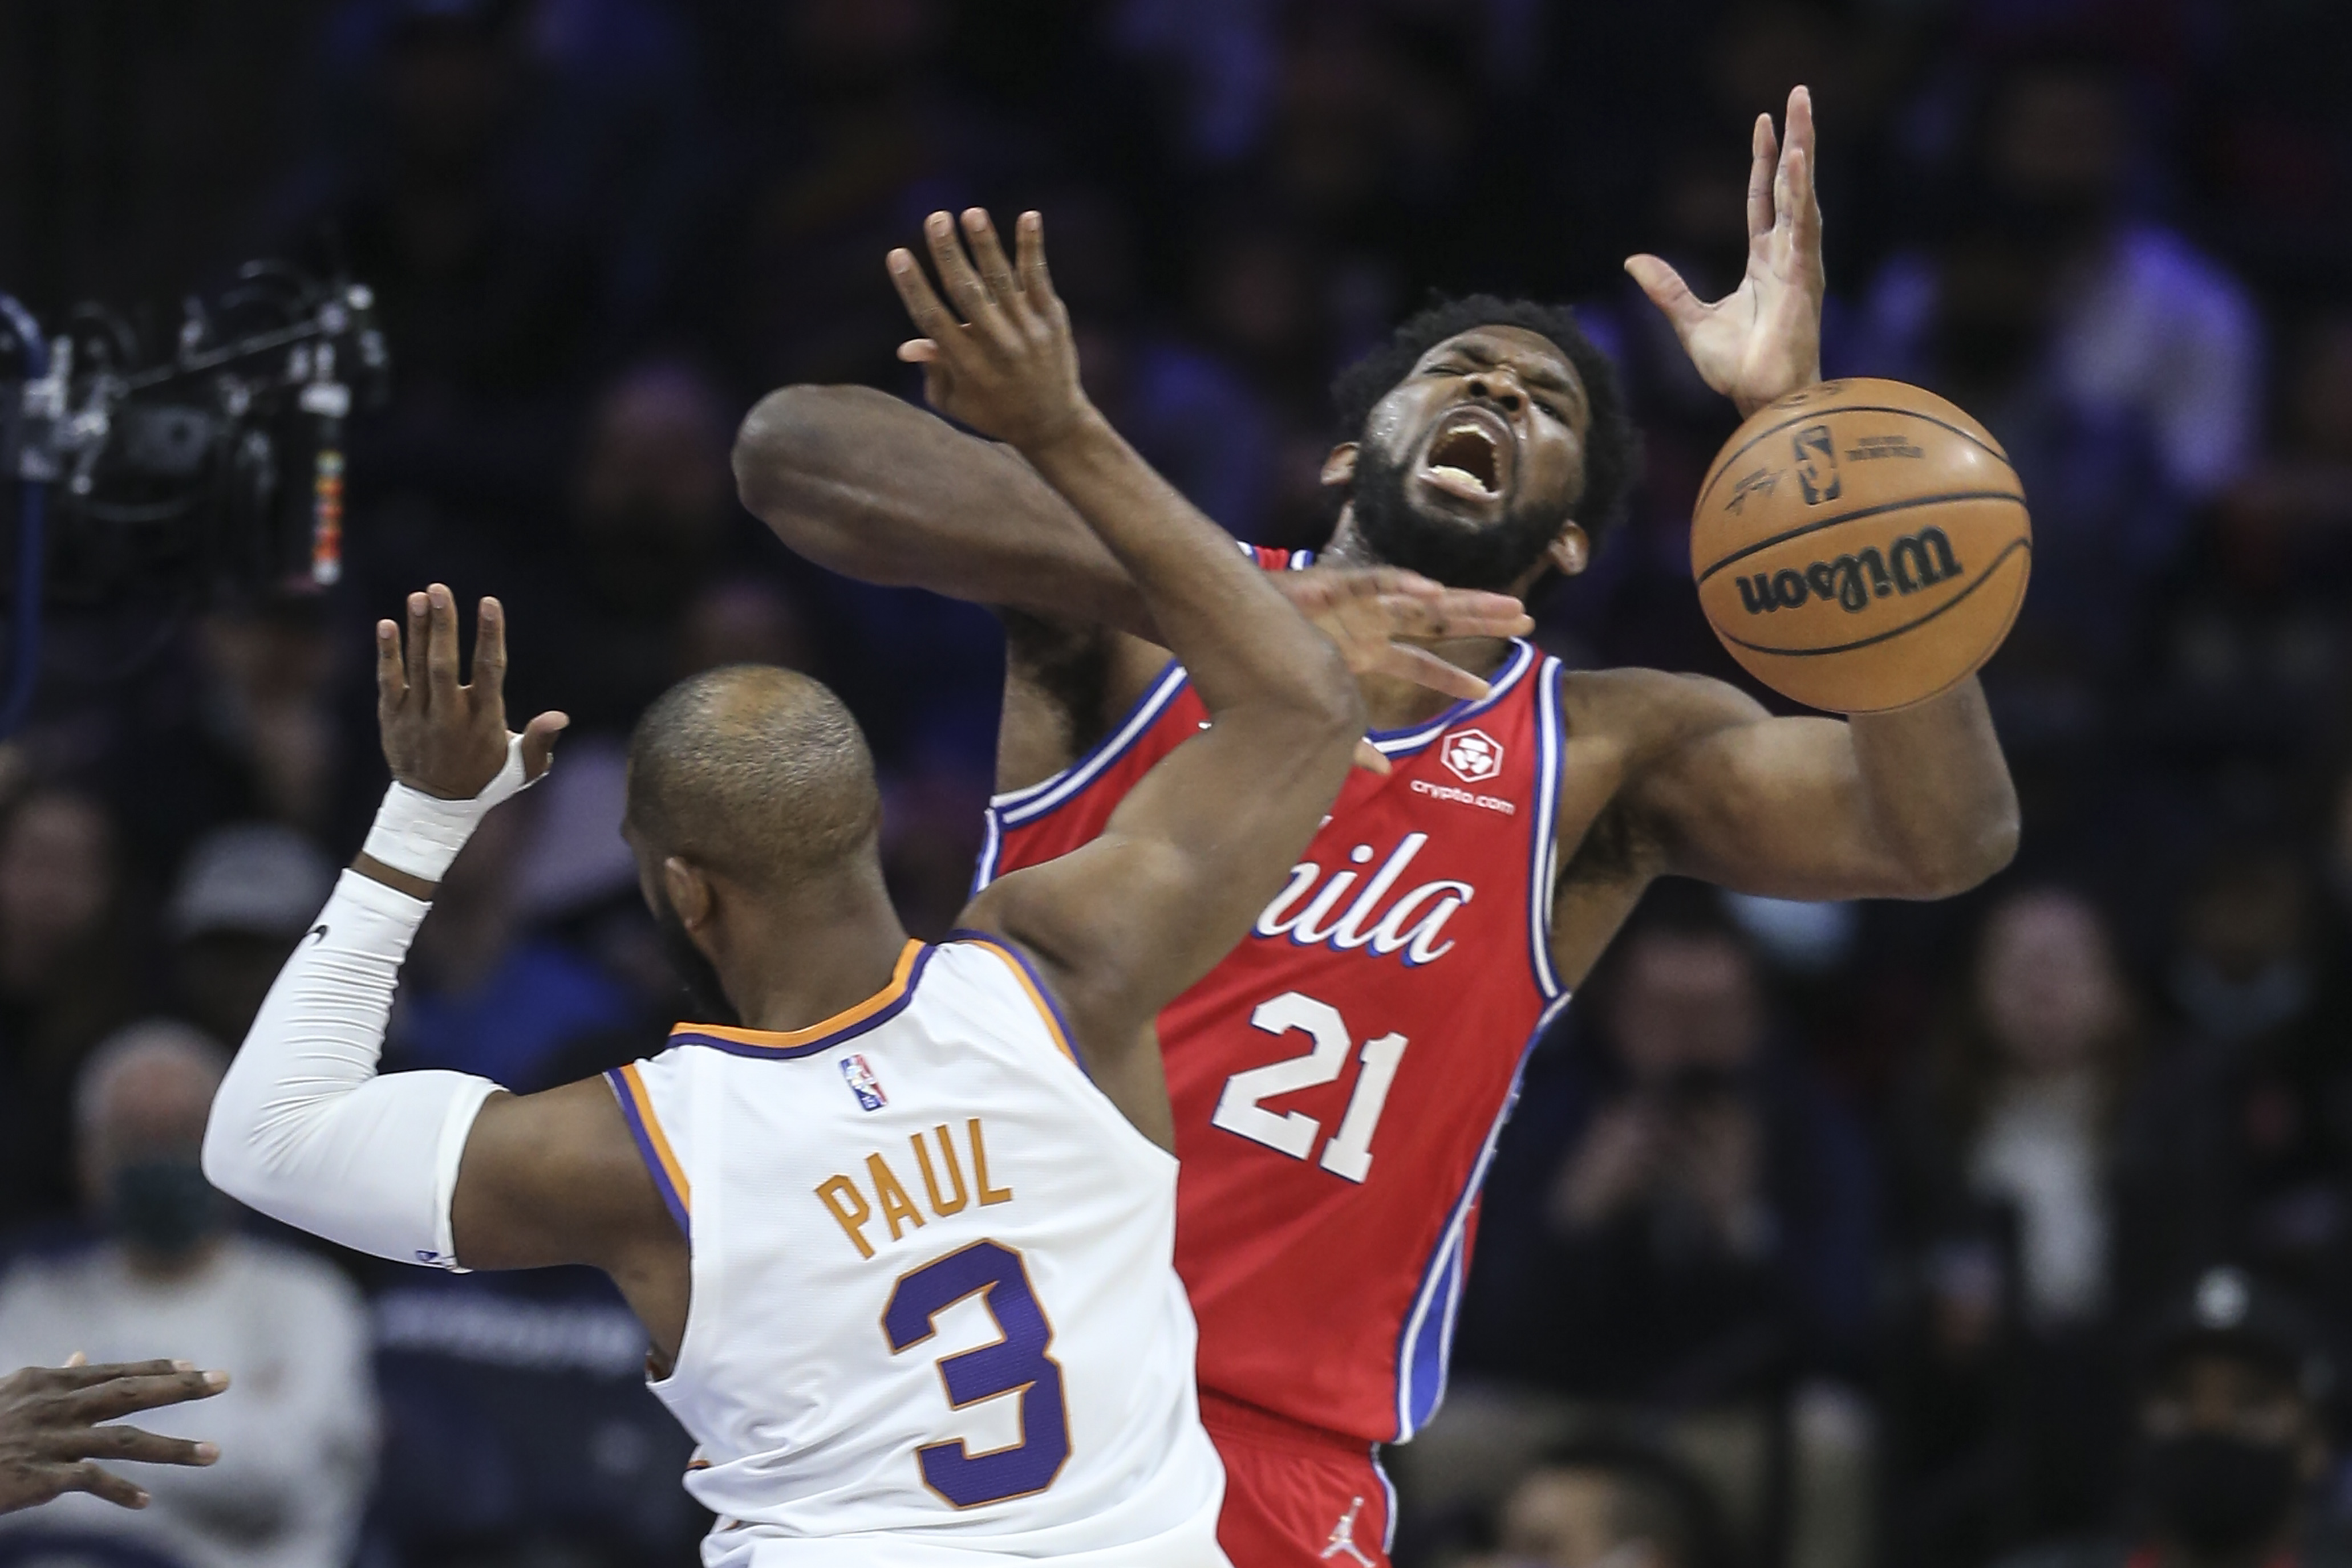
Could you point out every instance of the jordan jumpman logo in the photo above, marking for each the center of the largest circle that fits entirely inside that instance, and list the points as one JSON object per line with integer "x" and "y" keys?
{"x": 1343, "y": 1536}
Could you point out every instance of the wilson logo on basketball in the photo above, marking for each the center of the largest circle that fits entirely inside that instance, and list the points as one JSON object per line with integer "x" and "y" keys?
{"x": 1911, "y": 563}
{"x": 1473, "y": 755}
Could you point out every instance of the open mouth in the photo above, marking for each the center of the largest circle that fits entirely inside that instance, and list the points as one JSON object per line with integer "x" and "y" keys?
{"x": 1467, "y": 455}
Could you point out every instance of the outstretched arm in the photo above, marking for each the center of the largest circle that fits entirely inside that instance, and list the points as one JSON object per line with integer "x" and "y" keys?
{"x": 868, "y": 487}
{"x": 1911, "y": 804}
{"x": 429, "y": 1167}
{"x": 1916, "y": 803}
{"x": 1198, "y": 847}
{"x": 876, "y": 489}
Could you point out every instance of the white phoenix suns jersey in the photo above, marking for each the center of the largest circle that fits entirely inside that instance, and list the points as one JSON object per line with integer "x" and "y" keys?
{"x": 935, "y": 1315}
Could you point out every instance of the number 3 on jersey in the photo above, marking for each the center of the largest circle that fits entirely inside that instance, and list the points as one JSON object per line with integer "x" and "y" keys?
{"x": 1018, "y": 1363}
{"x": 1349, "y": 1151}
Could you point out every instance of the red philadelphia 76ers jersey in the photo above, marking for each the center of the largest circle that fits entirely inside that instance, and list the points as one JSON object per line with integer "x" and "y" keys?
{"x": 1340, "y": 1077}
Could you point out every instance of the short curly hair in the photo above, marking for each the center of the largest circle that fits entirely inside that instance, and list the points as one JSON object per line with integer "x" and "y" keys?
{"x": 1611, "y": 447}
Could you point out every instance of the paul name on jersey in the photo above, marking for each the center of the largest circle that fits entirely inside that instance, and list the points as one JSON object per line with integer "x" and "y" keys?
{"x": 846, "y": 1200}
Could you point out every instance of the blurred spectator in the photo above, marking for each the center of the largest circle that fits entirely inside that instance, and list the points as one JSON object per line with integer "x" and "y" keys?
{"x": 1677, "y": 1227}
{"x": 245, "y": 897}
{"x": 2304, "y": 482}
{"x": 267, "y": 714}
{"x": 68, "y": 973}
{"x": 1609, "y": 1505}
{"x": 2233, "y": 1440}
{"x": 2252, "y": 1114}
{"x": 652, "y": 501}
{"x": 1687, "y": 1217}
{"x": 2017, "y": 1162}
{"x": 856, "y": 132}
{"x": 518, "y": 180}
{"x": 297, "y": 1427}
{"x": 2023, "y": 1104}
{"x": 2137, "y": 320}
{"x": 2118, "y": 367}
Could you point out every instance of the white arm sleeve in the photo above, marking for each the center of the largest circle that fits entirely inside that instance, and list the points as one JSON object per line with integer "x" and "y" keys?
{"x": 305, "y": 1131}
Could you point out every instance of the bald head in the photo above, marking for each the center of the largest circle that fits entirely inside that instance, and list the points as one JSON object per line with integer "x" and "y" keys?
{"x": 756, "y": 773}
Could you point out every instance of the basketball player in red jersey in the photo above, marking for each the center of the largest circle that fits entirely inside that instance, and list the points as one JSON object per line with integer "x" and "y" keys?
{"x": 1340, "y": 1079}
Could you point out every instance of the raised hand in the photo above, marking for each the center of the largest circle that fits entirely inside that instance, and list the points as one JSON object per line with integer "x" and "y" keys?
{"x": 440, "y": 737}
{"x": 1763, "y": 339}
{"x": 51, "y": 1436}
{"x": 1003, "y": 361}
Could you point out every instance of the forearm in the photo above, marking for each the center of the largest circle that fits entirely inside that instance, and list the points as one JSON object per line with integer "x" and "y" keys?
{"x": 1938, "y": 789}
{"x": 304, "y": 1129}
{"x": 1240, "y": 641}
{"x": 876, "y": 489}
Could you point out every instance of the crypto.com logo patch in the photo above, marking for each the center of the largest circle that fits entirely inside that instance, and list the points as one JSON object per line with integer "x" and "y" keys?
{"x": 1473, "y": 755}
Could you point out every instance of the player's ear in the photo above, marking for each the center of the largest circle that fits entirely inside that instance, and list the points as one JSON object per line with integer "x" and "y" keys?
{"x": 1571, "y": 551}
{"x": 1339, "y": 469}
{"x": 688, "y": 891}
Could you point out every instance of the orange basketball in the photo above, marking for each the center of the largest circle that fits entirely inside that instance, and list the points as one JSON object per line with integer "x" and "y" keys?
{"x": 1861, "y": 545}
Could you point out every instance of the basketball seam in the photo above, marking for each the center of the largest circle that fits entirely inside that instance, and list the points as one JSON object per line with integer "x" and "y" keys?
{"x": 1858, "y": 515}
{"x": 1725, "y": 463}
{"x": 1982, "y": 577}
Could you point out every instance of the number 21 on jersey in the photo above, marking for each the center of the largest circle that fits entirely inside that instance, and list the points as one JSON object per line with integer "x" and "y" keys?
{"x": 1349, "y": 1151}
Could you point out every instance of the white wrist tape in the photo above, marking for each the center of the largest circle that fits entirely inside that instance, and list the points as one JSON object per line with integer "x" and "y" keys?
{"x": 421, "y": 834}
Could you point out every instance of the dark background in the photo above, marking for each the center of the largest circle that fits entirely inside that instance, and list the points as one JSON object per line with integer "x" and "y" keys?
{"x": 2120, "y": 233}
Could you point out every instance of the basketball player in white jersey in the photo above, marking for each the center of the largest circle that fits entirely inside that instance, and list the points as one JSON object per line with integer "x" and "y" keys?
{"x": 899, "y": 1226}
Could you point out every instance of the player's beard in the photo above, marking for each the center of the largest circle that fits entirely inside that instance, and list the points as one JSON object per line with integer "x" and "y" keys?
{"x": 697, "y": 976}
{"x": 1492, "y": 556}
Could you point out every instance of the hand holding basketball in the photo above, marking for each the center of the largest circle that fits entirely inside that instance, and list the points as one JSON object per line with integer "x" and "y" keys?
{"x": 1861, "y": 545}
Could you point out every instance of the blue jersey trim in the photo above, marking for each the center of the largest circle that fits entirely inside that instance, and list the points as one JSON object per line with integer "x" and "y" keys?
{"x": 1427, "y": 1343}
{"x": 991, "y": 844}
{"x": 638, "y": 1134}
{"x": 1545, "y": 852}
{"x": 1027, "y": 805}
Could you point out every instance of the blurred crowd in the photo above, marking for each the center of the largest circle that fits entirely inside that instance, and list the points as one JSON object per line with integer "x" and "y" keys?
{"x": 2014, "y": 1230}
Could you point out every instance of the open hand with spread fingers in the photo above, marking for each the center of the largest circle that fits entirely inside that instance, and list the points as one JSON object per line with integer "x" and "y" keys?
{"x": 1002, "y": 360}
{"x": 1763, "y": 339}
{"x": 52, "y": 1431}
{"x": 442, "y": 737}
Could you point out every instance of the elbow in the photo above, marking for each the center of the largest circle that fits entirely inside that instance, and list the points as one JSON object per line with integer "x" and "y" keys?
{"x": 222, "y": 1143}
{"x": 1971, "y": 857}
{"x": 787, "y": 438}
{"x": 230, "y": 1155}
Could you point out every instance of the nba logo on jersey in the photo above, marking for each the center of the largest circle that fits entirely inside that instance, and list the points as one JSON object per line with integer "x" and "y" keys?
{"x": 1473, "y": 755}
{"x": 860, "y": 1075}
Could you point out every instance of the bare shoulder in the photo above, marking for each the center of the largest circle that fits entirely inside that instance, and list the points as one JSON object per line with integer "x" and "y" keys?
{"x": 1646, "y": 713}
